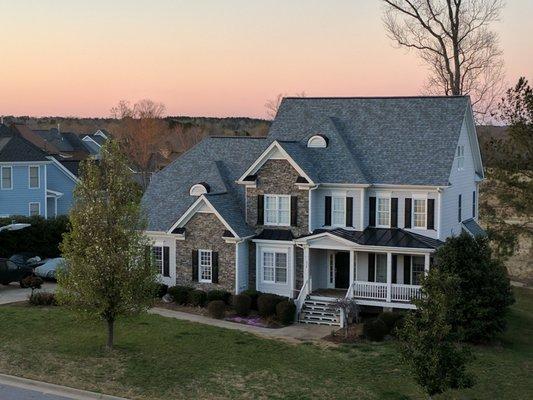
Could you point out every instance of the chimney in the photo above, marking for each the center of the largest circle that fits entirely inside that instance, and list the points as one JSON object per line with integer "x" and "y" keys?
{"x": 2, "y": 120}
{"x": 58, "y": 130}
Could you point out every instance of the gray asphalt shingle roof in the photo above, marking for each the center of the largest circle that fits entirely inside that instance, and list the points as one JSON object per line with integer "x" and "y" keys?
{"x": 13, "y": 147}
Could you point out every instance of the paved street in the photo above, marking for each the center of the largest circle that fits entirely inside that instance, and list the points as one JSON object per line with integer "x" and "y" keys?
{"x": 15, "y": 393}
{"x": 13, "y": 292}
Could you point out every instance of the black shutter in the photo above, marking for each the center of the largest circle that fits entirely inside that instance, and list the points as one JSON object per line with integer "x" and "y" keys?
{"x": 407, "y": 213}
{"x": 294, "y": 210}
{"x": 260, "y": 209}
{"x": 327, "y": 211}
{"x": 474, "y": 204}
{"x": 372, "y": 211}
{"x": 394, "y": 268}
{"x": 431, "y": 214}
{"x": 349, "y": 211}
{"x": 407, "y": 270}
{"x": 195, "y": 265}
{"x": 459, "y": 208}
{"x": 394, "y": 212}
{"x": 214, "y": 261}
{"x": 166, "y": 261}
{"x": 371, "y": 267}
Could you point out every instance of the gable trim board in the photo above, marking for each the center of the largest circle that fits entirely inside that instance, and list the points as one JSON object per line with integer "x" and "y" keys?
{"x": 63, "y": 169}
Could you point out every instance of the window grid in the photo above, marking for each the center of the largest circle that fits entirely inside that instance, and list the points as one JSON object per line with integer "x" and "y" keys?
{"x": 460, "y": 155}
{"x": 338, "y": 211}
{"x": 381, "y": 268}
{"x": 7, "y": 178}
{"x": 417, "y": 269}
{"x": 206, "y": 266}
{"x": 383, "y": 211}
{"x": 419, "y": 213}
{"x": 274, "y": 267}
{"x": 157, "y": 253}
{"x": 33, "y": 173}
{"x": 277, "y": 210}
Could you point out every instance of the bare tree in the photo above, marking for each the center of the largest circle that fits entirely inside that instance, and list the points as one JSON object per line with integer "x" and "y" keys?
{"x": 272, "y": 105}
{"x": 453, "y": 38}
{"x": 139, "y": 132}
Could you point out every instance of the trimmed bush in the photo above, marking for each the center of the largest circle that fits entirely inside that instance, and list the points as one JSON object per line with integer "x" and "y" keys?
{"x": 375, "y": 330}
{"x": 217, "y": 309}
{"x": 180, "y": 294}
{"x": 286, "y": 311}
{"x": 254, "y": 295}
{"x": 43, "y": 299}
{"x": 242, "y": 304}
{"x": 223, "y": 295}
{"x": 266, "y": 304}
{"x": 32, "y": 281}
{"x": 390, "y": 319}
{"x": 162, "y": 290}
{"x": 197, "y": 298}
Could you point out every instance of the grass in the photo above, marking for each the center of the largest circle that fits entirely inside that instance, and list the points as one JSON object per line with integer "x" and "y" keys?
{"x": 159, "y": 358}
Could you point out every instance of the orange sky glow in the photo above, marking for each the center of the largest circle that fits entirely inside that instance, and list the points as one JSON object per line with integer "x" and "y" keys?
{"x": 211, "y": 57}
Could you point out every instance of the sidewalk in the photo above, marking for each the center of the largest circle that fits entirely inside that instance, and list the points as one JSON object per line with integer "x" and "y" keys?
{"x": 14, "y": 293}
{"x": 22, "y": 388}
{"x": 294, "y": 333}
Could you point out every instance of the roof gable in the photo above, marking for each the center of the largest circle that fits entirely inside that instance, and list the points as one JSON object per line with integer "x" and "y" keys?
{"x": 14, "y": 148}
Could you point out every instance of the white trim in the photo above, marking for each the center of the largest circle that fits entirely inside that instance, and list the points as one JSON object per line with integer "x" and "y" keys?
{"x": 197, "y": 189}
{"x": 53, "y": 193}
{"x": 2, "y": 177}
{"x": 29, "y": 207}
{"x": 210, "y": 252}
{"x": 63, "y": 169}
{"x": 265, "y": 156}
{"x": 381, "y": 196}
{"x": 277, "y": 197}
{"x": 38, "y": 176}
{"x": 320, "y": 142}
{"x": 8, "y": 163}
{"x": 267, "y": 241}
{"x": 415, "y": 197}
{"x": 342, "y": 197}
{"x": 100, "y": 133}
{"x": 87, "y": 138}
{"x": 275, "y": 251}
{"x": 187, "y": 215}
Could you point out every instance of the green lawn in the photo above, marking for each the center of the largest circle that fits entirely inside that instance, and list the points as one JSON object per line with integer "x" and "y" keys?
{"x": 159, "y": 358}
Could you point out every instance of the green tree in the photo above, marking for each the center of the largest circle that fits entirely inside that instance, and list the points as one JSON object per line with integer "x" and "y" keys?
{"x": 507, "y": 204}
{"x": 110, "y": 273}
{"x": 476, "y": 311}
{"x": 427, "y": 343}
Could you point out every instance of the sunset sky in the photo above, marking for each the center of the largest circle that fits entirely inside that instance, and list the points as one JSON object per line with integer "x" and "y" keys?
{"x": 210, "y": 57}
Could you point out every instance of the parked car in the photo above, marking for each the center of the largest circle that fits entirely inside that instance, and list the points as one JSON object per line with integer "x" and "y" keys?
{"x": 50, "y": 267}
{"x": 11, "y": 272}
{"x": 26, "y": 259}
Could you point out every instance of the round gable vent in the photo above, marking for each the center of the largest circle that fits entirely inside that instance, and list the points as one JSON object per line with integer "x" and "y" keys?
{"x": 199, "y": 189}
{"x": 317, "y": 141}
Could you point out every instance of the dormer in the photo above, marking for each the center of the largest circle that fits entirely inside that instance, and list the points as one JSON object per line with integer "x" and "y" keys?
{"x": 199, "y": 189}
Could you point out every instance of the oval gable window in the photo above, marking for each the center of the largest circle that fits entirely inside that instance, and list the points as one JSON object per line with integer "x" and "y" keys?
{"x": 317, "y": 141}
{"x": 199, "y": 189}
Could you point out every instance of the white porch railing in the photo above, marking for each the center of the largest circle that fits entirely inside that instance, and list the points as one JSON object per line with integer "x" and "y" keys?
{"x": 304, "y": 291}
{"x": 402, "y": 292}
{"x": 370, "y": 290}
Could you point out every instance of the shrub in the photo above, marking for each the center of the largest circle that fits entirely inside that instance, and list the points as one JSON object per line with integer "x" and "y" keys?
{"x": 180, "y": 293}
{"x": 43, "y": 299}
{"x": 223, "y": 295}
{"x": 217, "y": 309}
{"x": 254, "y": 295}
{"x": 266, "y": 304}
{"x": 162, "y": 290}
{"x": 375, "y": 330}
{"x": 242, "y": 304}
{"x": 197, "y": 298}
{"x": 33, "y": 282}
{"x": 390, "y": 319}
{"x": 285, "y": 312}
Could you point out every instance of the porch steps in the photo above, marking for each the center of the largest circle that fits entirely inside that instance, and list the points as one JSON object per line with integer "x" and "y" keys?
{"x": 319, "y": 310}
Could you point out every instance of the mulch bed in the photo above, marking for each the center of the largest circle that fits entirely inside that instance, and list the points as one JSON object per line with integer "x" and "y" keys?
{"x": 355, "y": 332}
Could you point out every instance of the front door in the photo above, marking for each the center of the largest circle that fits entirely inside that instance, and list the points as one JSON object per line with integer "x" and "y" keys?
{"x": 342, "y": 270}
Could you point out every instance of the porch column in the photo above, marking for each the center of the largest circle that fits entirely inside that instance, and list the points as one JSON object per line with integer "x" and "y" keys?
{"x": 426, "y": 264}
{"x": 352, "y": 270}
{"x": 389, "y": 277}
{"x": 306, "y": 266}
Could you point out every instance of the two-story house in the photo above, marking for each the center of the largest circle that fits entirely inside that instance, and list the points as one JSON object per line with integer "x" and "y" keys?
{"x": 345, "y": 197}
{"x": 32, "y": 182}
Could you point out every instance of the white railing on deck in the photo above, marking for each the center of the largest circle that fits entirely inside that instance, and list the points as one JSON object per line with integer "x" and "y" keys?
{"x": 304, "y": 291}
{"x": 402, "y": 292}
{"x": 370, "y": 290}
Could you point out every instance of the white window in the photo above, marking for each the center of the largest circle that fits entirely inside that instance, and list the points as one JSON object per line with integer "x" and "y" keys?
{"x": 34, "y": 209}
{"x": 383, "y": 211}
{"x": 7, "y": 178}
{"x": 317, "y": 141}
{"x": 157, "y": 253}
{"x": 277, "y": 210}
{"x": 274, "y": 267}
{"x": 33, "y": 177}
{"x": 417, "y": 269}
{"x": 419, "y": 213}
{"x": 381, "y": 268}
{"x": 338, "y": 211}
{"x": 205, "y": 258}
{"x": 460, "y": 156}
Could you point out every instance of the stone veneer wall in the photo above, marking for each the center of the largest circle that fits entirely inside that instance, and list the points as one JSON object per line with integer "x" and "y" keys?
{"x": 204, "y": 231}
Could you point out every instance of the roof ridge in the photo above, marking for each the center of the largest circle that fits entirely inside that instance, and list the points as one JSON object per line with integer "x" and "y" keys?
{"x": 375, "y": 97}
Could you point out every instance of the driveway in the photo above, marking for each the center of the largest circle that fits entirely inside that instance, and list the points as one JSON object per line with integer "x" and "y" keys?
{"x": 13, "y": 292}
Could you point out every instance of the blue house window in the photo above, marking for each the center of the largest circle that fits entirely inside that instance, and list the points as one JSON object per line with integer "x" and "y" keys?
{"x": 34, "y": 209}
{"x": 33, "y": 177}
{"x": 7, "y": 178}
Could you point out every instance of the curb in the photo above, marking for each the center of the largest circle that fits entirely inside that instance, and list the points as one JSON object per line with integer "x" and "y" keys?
{"x": 56, "y": 390}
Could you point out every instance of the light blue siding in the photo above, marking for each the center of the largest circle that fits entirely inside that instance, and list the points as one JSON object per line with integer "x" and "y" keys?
{"x": 58, "y": 181}
{"x": 16, "y": 201}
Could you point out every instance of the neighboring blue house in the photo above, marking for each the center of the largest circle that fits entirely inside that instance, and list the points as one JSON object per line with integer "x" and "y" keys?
{"x": 32, "y": 182}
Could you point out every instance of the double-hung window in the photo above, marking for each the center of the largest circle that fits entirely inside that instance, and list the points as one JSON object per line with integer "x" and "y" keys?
{"x": 381, "y": 268}
{"x": 33, "y": 177}
{"x": 338, "y": 211}
{"x": 34, "y": 209}
{"x": 277, "y": 210}
{"x": 419, "y": 213}
{"x": 205, "y": 258}
{"x": 274, "y": 267}
{"x": 383, "y": 211}
{"x": 460, "y": 156}
{"x": 7, "y": 178}
{"x": 157, "y": 254}
{"x": 417, "y": 269}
